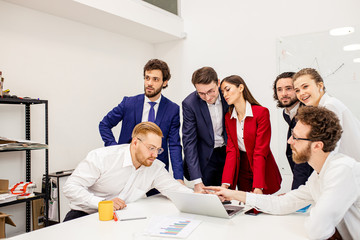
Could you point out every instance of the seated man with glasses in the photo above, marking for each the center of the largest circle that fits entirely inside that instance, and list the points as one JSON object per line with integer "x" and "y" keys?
{"x": 120, "y": 173}
{"x": 333, "y": 188}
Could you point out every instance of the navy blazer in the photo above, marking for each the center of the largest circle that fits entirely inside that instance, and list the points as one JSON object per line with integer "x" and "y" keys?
{"x": 198, "y": 134}
{"x": 129, "y": 111}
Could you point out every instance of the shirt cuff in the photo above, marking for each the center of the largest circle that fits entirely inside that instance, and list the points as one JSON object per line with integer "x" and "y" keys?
{"x": 251, "y": 199}
{"x": 196, "y": 181}
{"x": 94, "y": 202}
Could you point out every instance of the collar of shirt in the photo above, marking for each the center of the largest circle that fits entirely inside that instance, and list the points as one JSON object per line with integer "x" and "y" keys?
{"x": 323, "y": 99}
{"x": 248, "y": 112}
{"x": 326, "y": 164}
{"x": 128, "y": 161}
{"x": 147, "y": 107}
{"x": 146, "y": 100}
{"x": 293, "y": 111}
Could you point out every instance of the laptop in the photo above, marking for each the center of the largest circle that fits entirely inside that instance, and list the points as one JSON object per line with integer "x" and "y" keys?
{"x": 203, "y": 204}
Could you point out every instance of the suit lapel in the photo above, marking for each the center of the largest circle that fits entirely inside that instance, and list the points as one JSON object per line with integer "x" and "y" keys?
{"x": 207, "y": 119}
{"x": 250, "y": 134}
{"x": 161, "y": 110}
{"x": 225, "y": 108}
{"x": 139, "y": 110}
{"x": 248, "y": 127}
{"x": 232, "y": 130}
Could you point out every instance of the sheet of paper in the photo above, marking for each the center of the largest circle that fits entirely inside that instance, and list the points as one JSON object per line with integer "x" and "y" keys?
{"x": 173, "y": 227}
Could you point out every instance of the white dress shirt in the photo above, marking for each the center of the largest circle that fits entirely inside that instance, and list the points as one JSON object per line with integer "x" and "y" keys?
{"x": 335, "y": 192}
{"x": 240, "y": 125}
{"x": 146, "y": 108}
{"x": 349, "y": 143}
{"x": 216, "y": 114}
{"x": 293, "y": 111}
{"x": 107, "y": 173}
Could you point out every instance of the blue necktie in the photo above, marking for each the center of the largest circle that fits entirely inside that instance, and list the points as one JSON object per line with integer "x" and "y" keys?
{"x": 151, "y": 117}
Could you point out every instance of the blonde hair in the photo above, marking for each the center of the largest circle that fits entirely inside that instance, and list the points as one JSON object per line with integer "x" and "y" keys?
{"x": 144, "y": 128}
{"x": 313, "y": 74}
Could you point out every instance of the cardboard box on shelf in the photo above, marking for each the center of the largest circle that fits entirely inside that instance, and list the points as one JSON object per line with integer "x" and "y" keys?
{"x": 4, "y": 186}
{"x": 38, "y": 210}
{"x": 5, "y": 195}
{"x": 5, "y": 218}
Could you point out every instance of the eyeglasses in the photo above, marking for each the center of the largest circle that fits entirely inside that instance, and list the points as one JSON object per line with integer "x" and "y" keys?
{"x": 152, "y": 148}
{"x": 208, "y": 93}
{"x": 296, "y": 138}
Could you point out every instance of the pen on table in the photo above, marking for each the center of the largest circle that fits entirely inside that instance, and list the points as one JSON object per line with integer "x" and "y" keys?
{"x": 135, "y": 218}
{"x": 115, "y": 217}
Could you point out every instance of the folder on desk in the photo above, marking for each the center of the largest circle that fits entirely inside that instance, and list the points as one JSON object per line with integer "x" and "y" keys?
{"x": 129, "y": 214}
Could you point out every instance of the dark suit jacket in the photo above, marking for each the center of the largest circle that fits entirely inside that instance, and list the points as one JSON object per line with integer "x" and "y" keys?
{"x": 198, "y": 134}
{"x": 257, "y": 134}
{"x": 129, "y": 111}
{"x": 301, "y": 172}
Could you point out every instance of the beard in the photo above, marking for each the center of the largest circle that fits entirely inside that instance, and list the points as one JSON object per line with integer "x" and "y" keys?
{"x": 143, "y": 160}
{"x": 150, "y": 95}
{"x": 303, "y": 156}
{"x": 292, "y": 102}
{"x": 147, "y": 163}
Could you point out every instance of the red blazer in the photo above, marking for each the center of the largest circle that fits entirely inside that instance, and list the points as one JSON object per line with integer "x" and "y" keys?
{"x": 257, "y": 134}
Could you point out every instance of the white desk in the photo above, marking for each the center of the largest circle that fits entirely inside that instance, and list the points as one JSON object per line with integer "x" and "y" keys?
{"x": 242, "y": 226}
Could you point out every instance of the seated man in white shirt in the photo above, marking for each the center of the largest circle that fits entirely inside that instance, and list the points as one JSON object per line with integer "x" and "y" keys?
{"x": 120, "y": 173}
{"x": 333, "y": 187}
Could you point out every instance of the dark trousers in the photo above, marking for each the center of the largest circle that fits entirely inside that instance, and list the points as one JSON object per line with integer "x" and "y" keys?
{"x": 72, "y": 214}
{"x": 245, "y": 179}
{"x": 212, "y": 174}
{"x": 152, "y": 192}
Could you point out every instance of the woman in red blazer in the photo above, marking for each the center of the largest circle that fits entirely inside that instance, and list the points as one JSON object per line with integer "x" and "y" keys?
{"x": 249, "y": 163}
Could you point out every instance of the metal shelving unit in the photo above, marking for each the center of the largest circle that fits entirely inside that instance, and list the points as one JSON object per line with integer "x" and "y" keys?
{"x": 28, "y": 102}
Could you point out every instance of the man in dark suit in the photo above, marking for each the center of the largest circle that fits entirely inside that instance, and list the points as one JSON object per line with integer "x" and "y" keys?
{"x": 285, "y": 96}
{"x": 152, "y": 107}
{"x": 204, "y": 135}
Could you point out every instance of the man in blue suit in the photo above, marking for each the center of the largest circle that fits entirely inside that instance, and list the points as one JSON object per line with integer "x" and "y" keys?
{"x": 204, "y": 134}
{"x": 153, "y": 107}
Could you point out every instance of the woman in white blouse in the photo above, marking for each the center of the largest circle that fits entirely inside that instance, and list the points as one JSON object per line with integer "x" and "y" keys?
{"x": 310, "y": 90}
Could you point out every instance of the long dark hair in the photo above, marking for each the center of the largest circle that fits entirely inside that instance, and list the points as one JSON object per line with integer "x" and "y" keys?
{"x": 237, "y": 80}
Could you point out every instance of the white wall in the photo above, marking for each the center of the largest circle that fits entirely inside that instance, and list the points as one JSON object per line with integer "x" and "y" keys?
{"x": 83, "y": 71}
{"x": 239, "y": 37}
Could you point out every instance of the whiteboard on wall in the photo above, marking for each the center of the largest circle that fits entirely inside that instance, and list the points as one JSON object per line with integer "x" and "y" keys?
{"x": 326, "y": 54}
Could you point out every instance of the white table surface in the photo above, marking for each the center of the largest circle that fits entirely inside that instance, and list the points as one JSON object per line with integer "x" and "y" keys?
{"x": 262, "y": 226}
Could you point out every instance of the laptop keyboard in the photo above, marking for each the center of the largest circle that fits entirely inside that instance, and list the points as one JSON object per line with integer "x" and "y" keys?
{"x": 229, "y": 211}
